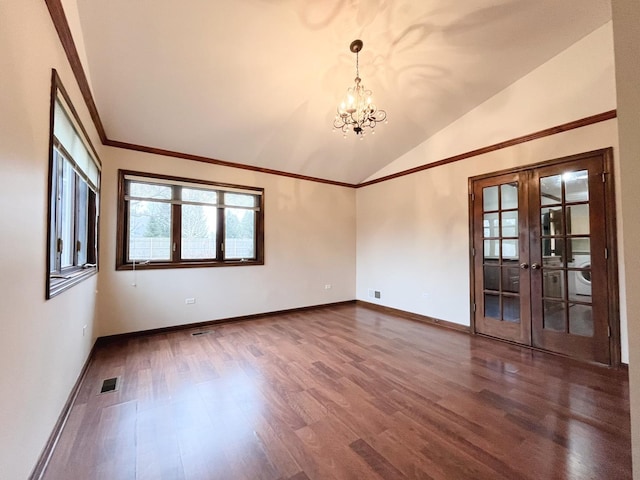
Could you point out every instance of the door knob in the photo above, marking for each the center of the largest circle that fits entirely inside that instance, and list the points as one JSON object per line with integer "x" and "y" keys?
{"x": 524, "y": 266}
{"x": 535, "y": 266}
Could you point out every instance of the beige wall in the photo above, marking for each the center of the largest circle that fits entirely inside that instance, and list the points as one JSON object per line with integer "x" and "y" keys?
{"x": 413, "y": 231}
{"x": 42, "y": 348}
{"x": 410, "y": 234}
{"x": 309, "y": 243}
{"x": 576, "y": 83}
{"x": 626, "y": 18}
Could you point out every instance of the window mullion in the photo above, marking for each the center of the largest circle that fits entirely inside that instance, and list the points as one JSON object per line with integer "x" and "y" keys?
{"x": 259, "y": 230}
{"x": 59, "y": 193}
{"x": 59, "y": 219}
{"x": 76, "y": 217}
{"x": 176, "y": 225}
{"x": 68, "y": 225}
{"x": 92, "y": 223}
{"x": 220, "y": 233}
{"x": 198, "y": 220}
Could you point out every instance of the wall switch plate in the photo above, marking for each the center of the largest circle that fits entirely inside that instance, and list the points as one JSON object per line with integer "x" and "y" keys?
{"x": 189, "y": 301}
{"x": 327, "y": 286}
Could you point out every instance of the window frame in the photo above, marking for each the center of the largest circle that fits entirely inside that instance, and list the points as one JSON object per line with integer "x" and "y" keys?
{"x": 122, "y": 234}
{"x": 57, "y": 277}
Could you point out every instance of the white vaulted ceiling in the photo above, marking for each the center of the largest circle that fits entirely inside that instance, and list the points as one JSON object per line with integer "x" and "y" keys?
{"x": 256, "y": 82}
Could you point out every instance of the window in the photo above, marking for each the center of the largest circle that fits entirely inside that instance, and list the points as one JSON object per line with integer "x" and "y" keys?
{"x": 167, "y": 222}
{"x": 74, "y": 179}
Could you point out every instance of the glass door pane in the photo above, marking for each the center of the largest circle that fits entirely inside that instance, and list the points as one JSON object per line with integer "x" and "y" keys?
{"x": 564, "y": 214}
{"x": 540, "y": 268}
{"x": 501, "y": 252}
{"x": 568, "y": 233}
{"x": 502, "y": 284}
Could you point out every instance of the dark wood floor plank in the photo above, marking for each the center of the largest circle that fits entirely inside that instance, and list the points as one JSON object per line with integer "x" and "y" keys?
{"x": 341, "y": 392}
{"x": 437, "y": 456}
{"x": 331, "y": 444}
{"x": 462, "y": 438}
{"x": 275, "y": 449}
{"x": 397, "y": 448}
{"x": 377, "y": 462}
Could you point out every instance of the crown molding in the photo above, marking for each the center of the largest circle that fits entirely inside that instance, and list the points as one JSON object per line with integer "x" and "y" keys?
{"x": 66, "y": 39}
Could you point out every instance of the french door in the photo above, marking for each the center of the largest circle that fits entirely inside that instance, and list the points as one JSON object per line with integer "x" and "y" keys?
{"x": 542, "y": 259}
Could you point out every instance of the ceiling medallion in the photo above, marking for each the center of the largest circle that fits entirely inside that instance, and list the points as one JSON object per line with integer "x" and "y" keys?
{"x": 358, "y": 111}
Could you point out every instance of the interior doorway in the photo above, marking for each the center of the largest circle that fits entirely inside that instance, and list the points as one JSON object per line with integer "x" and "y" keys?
{"x": 543, "y": 255}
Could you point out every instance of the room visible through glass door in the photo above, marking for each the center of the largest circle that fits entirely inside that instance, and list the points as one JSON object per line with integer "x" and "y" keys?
{"x": 569, "y": 264}
{"x": 500, "y": 253}
{"x": 540, "y": 258}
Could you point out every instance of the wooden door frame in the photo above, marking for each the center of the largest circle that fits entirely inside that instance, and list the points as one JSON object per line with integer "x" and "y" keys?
{"x": 520, "y": 331}
{"x": 611, "y": 241}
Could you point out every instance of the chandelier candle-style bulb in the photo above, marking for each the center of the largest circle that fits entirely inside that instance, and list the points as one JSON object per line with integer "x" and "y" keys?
{"x": 357, "y": 111}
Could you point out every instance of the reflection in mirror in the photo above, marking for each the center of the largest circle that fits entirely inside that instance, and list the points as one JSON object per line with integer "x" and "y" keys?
{"x": 490, "y": 198}
{"x": 509, "y": 195}
{"x": 551, "y": 190}
{"x": 576, "y": 185}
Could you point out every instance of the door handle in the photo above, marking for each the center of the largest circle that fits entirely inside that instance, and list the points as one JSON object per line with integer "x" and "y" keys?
{"x": 535, "y": 266}
{"x": 524, "y": 266}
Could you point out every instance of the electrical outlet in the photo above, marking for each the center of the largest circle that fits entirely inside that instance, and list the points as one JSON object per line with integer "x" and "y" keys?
{"x": 376, "y": 294}
{"x": 327, "y": 286}
{"x": 189, "y": 301}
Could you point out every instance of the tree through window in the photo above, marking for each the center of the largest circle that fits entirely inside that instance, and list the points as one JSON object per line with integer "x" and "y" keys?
{"x": 175, "y": 222}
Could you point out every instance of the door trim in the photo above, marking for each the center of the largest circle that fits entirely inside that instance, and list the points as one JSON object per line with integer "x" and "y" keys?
{"x": 611, "y": 241}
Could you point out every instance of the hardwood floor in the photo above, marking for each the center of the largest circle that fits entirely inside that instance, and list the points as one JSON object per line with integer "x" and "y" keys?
{"x": 342, "y": 392}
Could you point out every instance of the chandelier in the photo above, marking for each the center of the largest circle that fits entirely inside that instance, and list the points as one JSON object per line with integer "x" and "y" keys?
{"x": 358, "y": 111}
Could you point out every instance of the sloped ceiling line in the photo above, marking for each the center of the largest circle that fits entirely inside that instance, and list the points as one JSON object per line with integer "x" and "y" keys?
{"x": 60, "y": 22}
{"x": 583, "y": 122}
{"x": 64, "y": 32}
